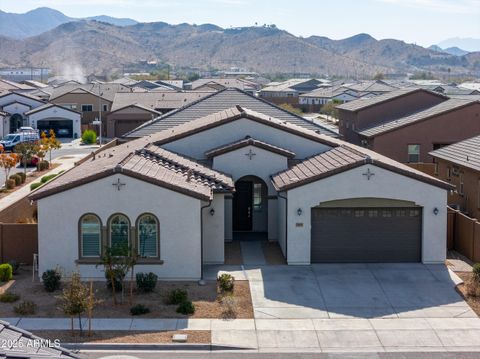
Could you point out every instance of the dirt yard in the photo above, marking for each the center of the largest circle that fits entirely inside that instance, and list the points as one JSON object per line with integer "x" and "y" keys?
{"x": 205, "y": 299}
{"x": 473, "y": 301}
{"x": 107, "y": 336}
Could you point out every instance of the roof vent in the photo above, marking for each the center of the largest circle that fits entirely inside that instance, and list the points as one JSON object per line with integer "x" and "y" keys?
{"x": 189, "y": 174}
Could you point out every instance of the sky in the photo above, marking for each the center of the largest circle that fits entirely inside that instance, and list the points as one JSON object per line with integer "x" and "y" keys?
{"x": 424, "y": 22}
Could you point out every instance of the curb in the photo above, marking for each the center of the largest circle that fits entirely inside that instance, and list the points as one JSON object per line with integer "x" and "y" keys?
{"x": 148, "y": 347}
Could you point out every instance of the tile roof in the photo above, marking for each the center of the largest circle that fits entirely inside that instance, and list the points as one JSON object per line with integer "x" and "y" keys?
{"x": 13, "y": 86}
{"x": 49, "y": 105}
{"x": 443, "y": 107}
{"x": 108, "y": 89}
{"x": 28, "y": 345}
{"x": 342, "y": 158}
{"x": 224, "y": 82}
{"x": 464, "y": 153}
{"x": 146, "y": 162}
{"x": 157, "y": 100}
{"x": 372, "y": 86}
{"x": 364, "y": 103}
{"x": 22, "y": 94}
{"x": 328, "y": 92}
{"x": 248, "y": 141}
{"x": 219, "y": 101}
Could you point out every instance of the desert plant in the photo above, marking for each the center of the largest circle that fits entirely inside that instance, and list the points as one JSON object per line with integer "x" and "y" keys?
{"x": 15, "y": 266}
{"x": 7, "y": 162}
{"x": 146, "y": 282}
{"x": 35, "y": 185}
{"x": 75, "y": 299}
{"x": 116, "y": 276}
{"x": 45, "y": 179}
{"x": 6, "y": 272}
{"x": 26, "y": 150}
{"x": 23, "y": 175}
{"x": 43, "y": 165}
{"x": 176, "y": 296}
{"x": 89, "y": 137}
{"x": 226, "y": 282}
{"x": 10, "y": 184}
{"x": 17, "y": 179}
{"x": 25, "y": 308}
{"x": 51, "y": 280}
{"x": 49, "y": 144}
{"x": 186, "y": 308}
{"x": 139, "y": 309}
{"x": 9, "y": 297}
{"x": 476, "y": 272}
{"x": 229, "y": 304}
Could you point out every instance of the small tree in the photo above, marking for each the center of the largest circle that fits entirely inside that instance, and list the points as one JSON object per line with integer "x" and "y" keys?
{"x": 75, "y": 299}
{"x": 7, "y": 162}
{"x": 26, "y": 150}
{"x": 50, "y": 143}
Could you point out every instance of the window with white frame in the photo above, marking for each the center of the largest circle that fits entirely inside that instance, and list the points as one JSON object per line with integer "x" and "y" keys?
{"x": 147, "y": 236}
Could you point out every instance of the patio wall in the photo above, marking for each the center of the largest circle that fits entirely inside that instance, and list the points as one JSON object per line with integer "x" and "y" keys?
{"x": 464, "y": 233}
{"x": 18, "y": 241}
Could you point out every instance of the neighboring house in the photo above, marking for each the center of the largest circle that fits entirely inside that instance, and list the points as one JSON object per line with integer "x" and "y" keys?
{"x": 377, "y": 87}
{"x": 207, "y": 174}
{"x": 131, "y": 109}
{"x": 92, "y": 100}
{"x": 364, "y": 113}
{"x": 64, "y": 121}
{"x": 207, "y": 84}
{"x": 313, "y": 101}
{"x": 459, "y": 164}
{"x": 290, "y": 90}
{"x": 15, "y": 106}
{"x": 6, "y": 85}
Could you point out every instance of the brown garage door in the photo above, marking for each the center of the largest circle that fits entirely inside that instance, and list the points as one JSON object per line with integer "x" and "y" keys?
{"x": 366, "y": 234}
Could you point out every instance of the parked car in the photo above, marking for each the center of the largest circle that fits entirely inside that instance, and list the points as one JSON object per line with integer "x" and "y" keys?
{"x": 28, "y": 134}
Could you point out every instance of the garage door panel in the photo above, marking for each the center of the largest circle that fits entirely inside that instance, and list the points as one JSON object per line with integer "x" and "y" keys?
{"x": 366, "y": 235}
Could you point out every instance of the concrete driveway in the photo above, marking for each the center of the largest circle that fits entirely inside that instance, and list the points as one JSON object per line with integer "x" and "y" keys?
{"x": 355, "y": 307}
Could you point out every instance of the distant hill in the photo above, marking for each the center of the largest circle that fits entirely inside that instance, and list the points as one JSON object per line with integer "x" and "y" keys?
{"x": 467, "y": 44}
{"x": 99, "y": 47}
{"x": 450, "y": 50}
{"x": 35, "y": 22}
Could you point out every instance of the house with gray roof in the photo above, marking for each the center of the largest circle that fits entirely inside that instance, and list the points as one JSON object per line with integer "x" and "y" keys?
{"x": 231, "y": 167}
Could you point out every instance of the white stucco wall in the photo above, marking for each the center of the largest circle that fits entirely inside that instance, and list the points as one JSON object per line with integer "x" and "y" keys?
{"x": 262, "y": 165}
{"x": 13, "y": 97}
{"x": 352, "y": 184}
{"x": 214, "y": 231}
{"x": 57, "y": 113}
{"x": 16, "y": 108}
{"x": 178, "y": 214}
{"x": 197, "y": 144}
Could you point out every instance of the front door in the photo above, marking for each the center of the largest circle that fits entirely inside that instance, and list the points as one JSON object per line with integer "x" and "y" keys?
{"x": 242, "y": 206}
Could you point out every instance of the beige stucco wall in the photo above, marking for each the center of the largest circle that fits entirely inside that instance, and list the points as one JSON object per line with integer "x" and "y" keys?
{"x": 179, "y": 217}
{"x": 352, "y": 184}
{"x": 214, "y": 231}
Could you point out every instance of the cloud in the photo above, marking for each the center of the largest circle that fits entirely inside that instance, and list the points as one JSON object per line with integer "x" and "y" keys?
{"x": 446, "y": 6}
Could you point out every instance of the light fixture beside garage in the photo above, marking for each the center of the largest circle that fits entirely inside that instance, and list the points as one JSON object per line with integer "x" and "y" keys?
{"x": 435, "y": 211}
{"x": 299, "y": 211}
{"x": 212, "y": 212}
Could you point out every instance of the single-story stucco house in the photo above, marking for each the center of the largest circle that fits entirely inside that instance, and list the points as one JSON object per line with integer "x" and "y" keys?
{"x": 176, "y": 194}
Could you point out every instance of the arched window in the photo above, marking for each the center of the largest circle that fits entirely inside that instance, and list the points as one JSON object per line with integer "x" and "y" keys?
{"x": 119, "y": 231}
{"x": 90, "y": 236}
{"x": 147, "y": 236}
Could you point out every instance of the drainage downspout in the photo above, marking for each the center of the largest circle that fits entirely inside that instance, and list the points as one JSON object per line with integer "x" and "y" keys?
{"x": 201, "y": 281}
{"x": 286, "y": 225}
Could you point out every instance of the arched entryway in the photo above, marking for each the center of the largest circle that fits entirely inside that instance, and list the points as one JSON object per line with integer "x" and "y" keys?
{"x": 250, "y": 206}
{"x": 16, "y": 121}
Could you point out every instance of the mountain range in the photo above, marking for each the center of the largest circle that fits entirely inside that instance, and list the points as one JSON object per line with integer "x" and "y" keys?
{"x": 107, "y": 45}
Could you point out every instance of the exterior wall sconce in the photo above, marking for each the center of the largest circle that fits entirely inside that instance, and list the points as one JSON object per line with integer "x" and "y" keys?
{"x": 299, "y": 211}
{"x": 435, "y": 211}
{"x": 212, "y": 212}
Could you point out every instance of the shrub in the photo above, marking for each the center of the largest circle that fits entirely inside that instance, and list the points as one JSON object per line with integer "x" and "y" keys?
{"x": 146, "y": 282}
{"x": 10, "y": 184}
{"x": 51, "y": 279}
{"x": 23, "y": 176}
{"x": 176, "y": 296}
{"x": 89, "y": 137}
{"x": 226, "y": 282}
{"x": 9, "y": 297}
{"x": 17, "y": 179}
{"x": 186, "y": 308}
{"x": 25, "y": 308}
{"x": 43, "y": 165}
{"x": 139, "y": 309}
{"x": 476, "y": 272}
{"x": 35, "y": 185}
{"x": 6, "y": 272}
{"x": 118, "y": 279}
{"x": 229, "y": 304}
{"x": 15, "y": 266}
{"x": 45, "y": 179}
